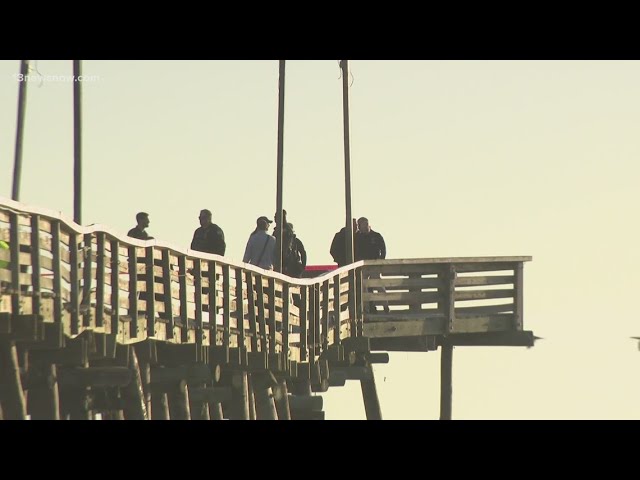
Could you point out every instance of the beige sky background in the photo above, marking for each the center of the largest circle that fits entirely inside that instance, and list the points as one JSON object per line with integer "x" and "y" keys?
{"x": 449, "y": 158}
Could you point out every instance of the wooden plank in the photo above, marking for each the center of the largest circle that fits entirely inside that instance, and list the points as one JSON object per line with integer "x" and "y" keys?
{"x": 285, "y": 326}
{"x": 352, "y": 300}
{"x": 115, "y": 288}
{"x": 446, "y": 260}
{"x": 404, "y": 298}
{"x": 100, "y": 279}
{"x": 483, "y": 323}
{"x": 404, "y": 283}
{"x": 370, "y": 398}
{"x": 325, "y": 315}
{"x": 133, "y": 291}
{"x": 197, "y": 277}
{"x": 85, "y": 301}
{"x": 483, "y": 294}
{"x": 240, "y": 307}
{"x": 485, "y": 267}
{"x": 359, "y": 294}
{"x": 304, "y": 329}
{"x": 261, "y": 316}
{"x": 212, "y": 303}
{"x": 407, "y": 328}
{"x": 336, "y": 309}
{"x": 12, "y": 399}
{"x": 490, "y": 339}
{"x": 519, "y": 297}
{"x": 184, "y": 313}
{"x": 253, "y": 327}
{"x": 484, "y": 280}
{"x": 14, "y": 248}
{"x": 74, "y": 303}
{"x": 168, "y": 299}
{"x": 226, "y": 301}
{"x": 271, "y": 292}
{"x": 35, "y": 263}
{"x": 448, "y": 303}
{"x": 151, "y": 301}
{"x": 312, "y": 322}
{"x": 484, "y": 309}
{"x": 446, "y": 383}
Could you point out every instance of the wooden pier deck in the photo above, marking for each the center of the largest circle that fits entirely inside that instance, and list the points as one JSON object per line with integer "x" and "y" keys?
{"x": 93, "y": 322}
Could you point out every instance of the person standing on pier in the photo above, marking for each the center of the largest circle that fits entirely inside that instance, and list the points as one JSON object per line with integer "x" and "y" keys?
{"x": 209, "y": 237}
{"x": 139, "y": 231}
{"x": 260, "y": 246}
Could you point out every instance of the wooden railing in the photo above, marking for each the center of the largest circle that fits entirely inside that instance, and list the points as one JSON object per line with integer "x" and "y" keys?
{"x": 90, "y": 278}
{"x": 443, "y": 296}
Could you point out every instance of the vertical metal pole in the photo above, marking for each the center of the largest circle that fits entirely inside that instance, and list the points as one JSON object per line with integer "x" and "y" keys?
{"x": 344, "y": 65}
{"x": 278, "y": 266}
{"x": 77, "y": 143}
{"x": 22, "y": 105}
{"x": 446, "y": 381}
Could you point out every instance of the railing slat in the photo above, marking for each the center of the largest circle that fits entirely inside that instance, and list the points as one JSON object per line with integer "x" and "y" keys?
{"x": 133, "y": 292}
{"x": 253, "y": 327}
{"x": 150, "y": 295}
{"x": 35, "y": 264}
{"x": 100, "y": 278}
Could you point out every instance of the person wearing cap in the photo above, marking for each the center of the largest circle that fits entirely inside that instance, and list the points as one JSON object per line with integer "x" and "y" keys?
{"x": 209, "y": 237}
{"x": 260, "y": 246}
{"x": 139, "y": 231}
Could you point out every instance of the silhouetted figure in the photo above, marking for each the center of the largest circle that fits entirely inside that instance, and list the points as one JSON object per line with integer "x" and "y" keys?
{"x": 209, "y": 237}
{"x": 260, "y": 246}
{"x": 294, "y": 254}
{"x": 339, "y": 246}
{"x": 139, "y": 231}
{"x": 369, "y": 245}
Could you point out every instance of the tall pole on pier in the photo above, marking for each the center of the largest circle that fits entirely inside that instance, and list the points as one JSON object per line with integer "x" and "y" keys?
{"x": 279, "y": 219}
{"x": 344, "y": 66}
{"x": 77, "y": 142}
{"x": 22, "y": 105}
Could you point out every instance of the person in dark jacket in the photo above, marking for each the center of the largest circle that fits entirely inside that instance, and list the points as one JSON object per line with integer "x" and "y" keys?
{"x": 369, "y": 245}
{"x": 209, "y": 237}
{"x": 338, "y": 246}
{"x": 139, "y": 232}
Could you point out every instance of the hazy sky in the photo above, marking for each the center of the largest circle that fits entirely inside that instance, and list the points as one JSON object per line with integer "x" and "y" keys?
{"x": 449, "y": 158}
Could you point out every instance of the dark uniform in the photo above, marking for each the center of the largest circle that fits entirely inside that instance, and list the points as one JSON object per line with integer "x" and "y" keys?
{"x": 209, "y": 239}
{"x": 136, "y": 232}
{"x": 369, "y": 246}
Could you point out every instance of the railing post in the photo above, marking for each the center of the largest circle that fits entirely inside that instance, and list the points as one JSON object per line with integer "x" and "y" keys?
{"x": 518, "y": 287}
{"x": 449, "y": 296}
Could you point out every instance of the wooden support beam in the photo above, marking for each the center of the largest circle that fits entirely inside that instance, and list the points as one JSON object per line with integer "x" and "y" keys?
{"x": 94, "y": 376}
{"x": 265, "y": 405}
{"x": 446, "y": 381}
{"x": 306, "y": 403}
{"x": 370, "y": 396}
{"x": 379, "y": 357}
{"x": 159, "y": 406}
{"x": 425, "y": 343}
{"x": 281, "y": 399}
{"x": 240, "y": 388}
{"x": 252, "y": 400}
{"x": 211, "y": 394}
{"x": 43, "y": 399}
{"x": 179, "y": 402}
{"x": 12, "y": 396}
{"x": 133, "y": 395}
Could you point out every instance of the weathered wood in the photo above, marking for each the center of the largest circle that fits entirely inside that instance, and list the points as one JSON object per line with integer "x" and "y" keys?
{"x": 179, "y": 402}
{"x": 307, "y": 415}
{"x": 240, "y": 389}
{"x": 184, "y": 313}
{"x": 100, "y": 278}
{"x": 352, "y": 373}
{"x": 212, "y": 394}
{"x": 133, "y": 292}
{"x": 252, "y": 399}
{"x": 94, "y": 376}
{"x": 518, "y": 300}
{"x": 336, "y": 309}
{"x": 403, "y": 298}
{"x": 261, "y": 313}
{"x": 35, "y": 264}
{"x": 489, "y": 339}
{"x": 446, "y": 384}
{"x": 212, "y": 303}
{"x": 306, "y": 403}
{"x": 281, "y": 400}
{"x": 484, "y": 280}
{"x": 312, "y": 323}
{"x": 271, "y": 291}
{"x": 425, "y": 343}
{"x": 265, "y": 405}
{"x": 74, "y": 303}
{"x": 43, "y": 399}
{"x": 462, "y": 312}
{"x": 159, "y": 406}
{"x": 304, "y": 324}
{"x": 12, "y": 396}
{"x": 87, "y": 279}
{"x": 370, "y": 396}
{"x": 285, "y": 326}
{"x": 483, "y": 294}
{"x": 379, "y": 357}
{"x": 133, "y": 395}
{"x": 215, "y": 411}
{"x": 14, "y": 249}
{"x": 115, "y": 289}
{"x": 253, "y": 326}
{"x": 403, "y": 283}
{"x": 239, "y": 307}
{"x": 199, "y": 407}
{"x": 226, "y": 301}
{"x": 168, "y": 299}
{"x": 150, "y": 283}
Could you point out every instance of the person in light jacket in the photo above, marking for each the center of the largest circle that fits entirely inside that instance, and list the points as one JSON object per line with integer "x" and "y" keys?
{"x": 260, "y": 246}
